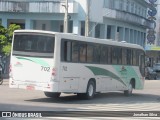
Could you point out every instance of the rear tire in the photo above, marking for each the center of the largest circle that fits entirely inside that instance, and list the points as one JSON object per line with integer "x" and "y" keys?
{"x": 129, "y": 91}
{"x": 90, "y": 92}
{"x": 155, "y": 78}
{"x": 52, "y": 94}
{"x": 1, "y": 80}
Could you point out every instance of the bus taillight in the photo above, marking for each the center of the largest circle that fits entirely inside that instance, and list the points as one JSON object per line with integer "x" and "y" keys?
{"x": 53, "y": 72}
{"x": 10, "y": 70}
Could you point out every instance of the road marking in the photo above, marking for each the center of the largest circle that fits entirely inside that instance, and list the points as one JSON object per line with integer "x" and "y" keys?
{"x": 155, "y": 106}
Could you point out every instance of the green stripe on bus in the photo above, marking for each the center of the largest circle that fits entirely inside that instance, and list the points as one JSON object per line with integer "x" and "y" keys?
{"x": 104, "y": 72}
{"x": 35, "y": 60}
{"x": 129, "y": 74}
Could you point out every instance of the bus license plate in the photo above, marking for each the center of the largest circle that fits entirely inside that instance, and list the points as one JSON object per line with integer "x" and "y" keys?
{"x": 30, "y": 87}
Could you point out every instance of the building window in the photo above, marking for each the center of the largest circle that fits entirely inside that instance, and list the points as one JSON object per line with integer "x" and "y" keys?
{"x": 132, "y": 7}
{"x": 109, "y": 32}
{"x": 128, "y": 6}
{"x": 139, "y": 11}
{"x": 136, "y": 9}
{"x": 82, "y": 28}
{"x": 43, "y": 26}
{"x": 61, "y": 28}
{"x": 121, "y": 4}
{"x": 97, "y": 31}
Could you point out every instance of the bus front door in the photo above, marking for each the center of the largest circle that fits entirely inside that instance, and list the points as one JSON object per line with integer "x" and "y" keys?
{"x": 123, "y": 73}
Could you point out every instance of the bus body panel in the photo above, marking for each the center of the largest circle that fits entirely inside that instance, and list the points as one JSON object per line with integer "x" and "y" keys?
{"x": 75, "y": 76}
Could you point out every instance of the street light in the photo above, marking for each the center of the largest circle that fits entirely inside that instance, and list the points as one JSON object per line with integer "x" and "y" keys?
{"x": 87, "y": 18}
{"x": 66, "y": 17}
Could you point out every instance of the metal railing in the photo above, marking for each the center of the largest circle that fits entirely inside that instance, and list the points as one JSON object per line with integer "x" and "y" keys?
{"x": 127, "y": 17}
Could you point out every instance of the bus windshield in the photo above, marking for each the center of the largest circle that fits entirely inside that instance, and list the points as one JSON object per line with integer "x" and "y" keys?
{"x": 37, "y": 45}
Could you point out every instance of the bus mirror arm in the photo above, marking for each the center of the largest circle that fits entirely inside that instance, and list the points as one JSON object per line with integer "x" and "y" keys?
{"x": 123, "y": 69}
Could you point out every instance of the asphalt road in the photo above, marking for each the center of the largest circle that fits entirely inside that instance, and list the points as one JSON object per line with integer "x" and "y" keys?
{"x": 25, "y": 100}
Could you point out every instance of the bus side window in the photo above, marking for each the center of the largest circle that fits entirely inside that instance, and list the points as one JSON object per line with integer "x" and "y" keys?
{"x": 49, "y": 47}
{"x": 96, "y": 58}
{"x": 90, "y": 49}
{"x": 66, "y": 51}
{"x": 134, "y": 58}
{"x": 104, "y": 55}
{"x": 124, "y": 56}
{"x": 75, "y": 51}
{"x": 83, "y": 52}
{"x": 109, "y": 55}
{"x": 40, "y": 43}
{"x": 129, "y": 57}
{"x": 114, "y": 55}
{"x": 119, "y": 54}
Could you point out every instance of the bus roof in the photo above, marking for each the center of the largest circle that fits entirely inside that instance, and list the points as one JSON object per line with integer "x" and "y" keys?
{"x": 73, "y": 36}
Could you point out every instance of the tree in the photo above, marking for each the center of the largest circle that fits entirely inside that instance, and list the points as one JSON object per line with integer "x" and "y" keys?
{"x": 6, "y": 38}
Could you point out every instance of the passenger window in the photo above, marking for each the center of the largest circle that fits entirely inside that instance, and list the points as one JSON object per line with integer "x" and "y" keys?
{"x": 129, "y": 57}
{"x": 109, "y": 55}
{"x": 119, "y": 55}
{"x": 134, "y": 58}
{"x": 104, "y": 55}
{"x": 124, "y": 56}
{"x": 96, "y": 54}
{"x": 83, "y": 52}
{"x": 89, "y": 53}
{"x": 66, "y": 51}
{"x": 75, "y": 52}
{"x": 114, "y": 55}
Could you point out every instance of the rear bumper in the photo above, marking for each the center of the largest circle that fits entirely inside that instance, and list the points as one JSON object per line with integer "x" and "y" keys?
{"x": 48, "y": 86}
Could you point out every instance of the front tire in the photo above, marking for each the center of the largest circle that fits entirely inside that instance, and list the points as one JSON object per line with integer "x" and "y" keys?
{"x": 129, "y": 91}
{"x": 52, "y": 94}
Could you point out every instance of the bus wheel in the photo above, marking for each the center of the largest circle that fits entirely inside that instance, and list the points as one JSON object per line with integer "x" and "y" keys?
{"x": 129, "y": 91}
{"x": 90, "y": 90}
{"x": 52, "y": 94}
{"x": 1, "y": 81}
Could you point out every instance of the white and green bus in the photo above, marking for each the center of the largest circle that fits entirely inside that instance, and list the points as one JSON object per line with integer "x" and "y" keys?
{"x": 66, "y": 63}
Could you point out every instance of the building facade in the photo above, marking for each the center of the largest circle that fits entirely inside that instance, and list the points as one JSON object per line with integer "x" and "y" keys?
{"x": 119, "y": 20}
{"x": 152, "y": 46}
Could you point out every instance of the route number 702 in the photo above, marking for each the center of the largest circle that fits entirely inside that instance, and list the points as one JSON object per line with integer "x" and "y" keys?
{"x": 47, "y": 69}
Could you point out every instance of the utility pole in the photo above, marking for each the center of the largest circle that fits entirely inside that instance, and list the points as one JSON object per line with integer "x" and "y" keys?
{"x": 87, "y": 18}
{"x": 66, "y": 17}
